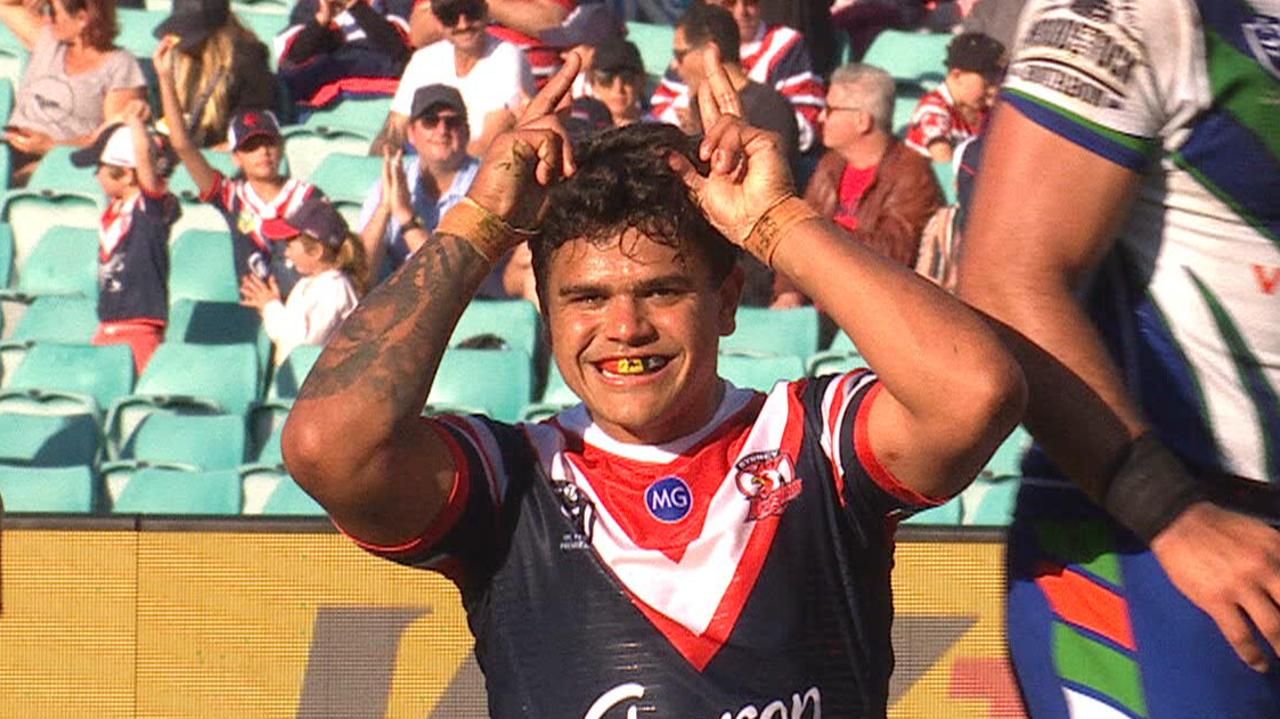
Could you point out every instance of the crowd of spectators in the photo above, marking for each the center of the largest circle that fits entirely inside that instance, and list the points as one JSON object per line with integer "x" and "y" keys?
{"x": 459, "y": 72}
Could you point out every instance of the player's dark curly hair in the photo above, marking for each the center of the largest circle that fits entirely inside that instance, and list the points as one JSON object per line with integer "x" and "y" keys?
{"x": 623, "y": 181}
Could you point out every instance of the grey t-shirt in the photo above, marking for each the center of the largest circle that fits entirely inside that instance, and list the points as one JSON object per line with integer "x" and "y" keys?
{"x": 66, "y": 106}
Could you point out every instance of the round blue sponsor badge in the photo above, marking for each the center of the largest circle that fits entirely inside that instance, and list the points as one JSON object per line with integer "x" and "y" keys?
{"x": 668, "y": 499}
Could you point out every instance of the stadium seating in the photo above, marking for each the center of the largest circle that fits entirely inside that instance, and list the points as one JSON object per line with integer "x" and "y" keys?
{"x": 946, "y": 174}
{"x": 55, "y": 173}
{"x": 68, "y": 379}
{"x": 1007, "y": 460}
{"x": 201, "y": 442}
{"x": 654, "y": 42}
{"x": 202, "y": 267}
{"x": 13, "y": 59}
{"x": 989, "y": 502}
{"x": 198, "y": 215}
{"x": 37, "y": 440}
{"x": 946, "y": 515}
{"x": 763, "y": 331}
{"x": 759, "y": 372}
{"x": 555, "y": 397}
{"x": 166, "y": 491}
{"x": 307, "y": 145}
{"x": 347, "y": 178}
{"x": 49, "y": 319}
{"x": 276, "y": 494}
{"x": 365, "y": 116}
{"x": 912, "y": 58}
{"x": 219, "y": 323}
{"x": 6, "y": 254}
{"x": 493, "y": 382}
{"x": 135, "y": 30}
{"x": 31, "y": 212}
{"x": 62, "y": 489}
{"x": 266, "y": 417}
{"x": 63, "y": 262}
{"x": 182, "y": 184}
{"x": 516, "y": 321}
{"x": 904, "y": 106}
{"x": 186, "y": 378}
{"x": 269, "y": 453}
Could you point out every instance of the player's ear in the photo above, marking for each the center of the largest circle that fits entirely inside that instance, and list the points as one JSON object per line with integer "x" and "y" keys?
{"x": 730, "y": 294}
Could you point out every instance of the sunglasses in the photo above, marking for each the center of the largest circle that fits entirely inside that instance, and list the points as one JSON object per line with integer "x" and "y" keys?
{"x": 451, "y": 122}
{"x": 606, "y": 77}
{"x": 680, "y": 52}
{"x": 451, "y": 14}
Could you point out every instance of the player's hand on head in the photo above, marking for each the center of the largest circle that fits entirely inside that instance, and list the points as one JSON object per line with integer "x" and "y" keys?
{"x": 749, "y": 171}
{"x": 1228, "y": 565}
{"x": 523, "y": 163}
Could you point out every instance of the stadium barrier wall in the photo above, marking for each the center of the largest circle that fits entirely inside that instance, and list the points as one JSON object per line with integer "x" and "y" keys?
{"x": 129, "y": 617}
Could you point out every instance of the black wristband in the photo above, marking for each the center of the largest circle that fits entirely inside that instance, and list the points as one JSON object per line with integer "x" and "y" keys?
{"x": 1150, "y": 488}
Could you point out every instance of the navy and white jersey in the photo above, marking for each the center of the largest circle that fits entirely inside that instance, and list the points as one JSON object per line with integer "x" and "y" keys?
{"x": 744, "y": 566}
{"x": 245, "y": 213}
{"x": 133, "y": 258}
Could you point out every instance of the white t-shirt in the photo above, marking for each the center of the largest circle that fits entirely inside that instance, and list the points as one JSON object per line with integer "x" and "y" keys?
{"x": 315, "y": 308}
{"x": 501, "y": 78}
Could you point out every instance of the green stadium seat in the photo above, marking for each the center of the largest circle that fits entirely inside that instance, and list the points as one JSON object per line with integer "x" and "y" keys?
{"x": 219, "y": 323}
{"x": 69, "y": 379}
{"x": 515, "y": 321}
{"x": 13, "y": 60}
{"x": 198, "y": 215}
{"x": 6, "y": 253}
{"x": 307, "y": 145}
{"x": 762, "y": 331}
{"x": 38, "y": 440}
{"x": 55, "y": 173}
{"x": 915, "y": 57}
{"x": 290, "y": 499}
{"x": 135, "y": 30}
{"x": 757, "y": 372}
{"x": 265, "y": 7}
{"x": 204, "y": 442}
{"x": 654, "y": 43}
{"x": 202, "y": 267}
{"x": 188, "y": 379}
{"x": 945, "y": 172}
{"x": 267, "y": 417}
{"x": 904, "y": 106}
{"x": 266, "y": 25}
{"x": 49, "y": 319}
{"x": 498, "y": 383}
{"x": 166, "y": 491}
{"x": 51, "y": 490}
{"x": 182, "y": 185}
{"x": 946, "y": 515}
{"x": 271, "y": 491}
{"x": 63, "y": 262}
{"x": 1007, "y": 460}
{"x": 270, "y": 453}
{"x": 31, "y": 212}
{"x": 366, "y": 116}
{"x": 833, "y": 362}
{"x": 992, "y": 501}
{"x": 555, "y": 397}
{"x": 347, "y": 178}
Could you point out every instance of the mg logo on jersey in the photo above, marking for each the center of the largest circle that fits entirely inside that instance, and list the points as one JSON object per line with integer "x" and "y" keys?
{"x": 768, "y": 479}
{"x": 668, "y": 499}
{"x": 1263, "y": 36}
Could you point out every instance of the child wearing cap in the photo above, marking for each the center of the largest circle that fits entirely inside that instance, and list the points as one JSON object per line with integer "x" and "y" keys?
{"x": 334, "y": 270}
{"x": 258, "y": 195}
{"x": 133, "y": 249}
{"x": 957, "y": 109}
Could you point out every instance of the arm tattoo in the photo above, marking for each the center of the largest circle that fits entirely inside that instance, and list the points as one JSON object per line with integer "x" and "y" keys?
{"x": 384, "y": 355}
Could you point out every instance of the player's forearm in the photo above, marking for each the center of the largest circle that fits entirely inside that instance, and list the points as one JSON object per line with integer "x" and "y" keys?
{"x": 143, "y": 158}
{"x": 375, "y": 373}
{"x": 1078, "y": 408}
{"x": 937, "y": 357}
{"x": 530, "y": 18}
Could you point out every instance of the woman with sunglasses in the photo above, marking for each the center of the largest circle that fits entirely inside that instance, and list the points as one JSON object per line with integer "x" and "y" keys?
{"x": 492, "y": 76}
{"x": 76, "y": 78}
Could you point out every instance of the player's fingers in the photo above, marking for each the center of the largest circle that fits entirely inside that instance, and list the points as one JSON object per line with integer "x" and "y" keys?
{"x": 721, "y": 87}
{"x": 1238, "y": 632}
{"x": 687, "y": 173}
{"x": 551, "y": 158}
{"x": 556, "y": 88}
{"x": 1265, "y": 615}
{"x": 724, "y": 145}
{"x": 709, "y": 114}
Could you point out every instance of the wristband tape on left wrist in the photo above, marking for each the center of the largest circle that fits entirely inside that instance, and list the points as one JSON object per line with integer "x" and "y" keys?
{"x": 489, "y": 234}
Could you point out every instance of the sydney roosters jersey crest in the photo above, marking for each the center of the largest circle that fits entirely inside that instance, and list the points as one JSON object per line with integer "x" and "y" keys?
{"x": 739, "y": 571}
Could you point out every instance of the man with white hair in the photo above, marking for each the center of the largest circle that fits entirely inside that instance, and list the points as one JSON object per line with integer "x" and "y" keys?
{"x": 868, "y": 181}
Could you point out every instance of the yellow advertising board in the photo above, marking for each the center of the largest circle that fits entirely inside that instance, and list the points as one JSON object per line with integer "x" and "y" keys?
{"x": 227, "y": 620}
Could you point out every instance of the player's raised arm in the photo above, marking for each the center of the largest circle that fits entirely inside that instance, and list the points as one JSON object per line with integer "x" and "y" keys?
{"x": 354, "y": 439}
{"x": 951, "y": 390}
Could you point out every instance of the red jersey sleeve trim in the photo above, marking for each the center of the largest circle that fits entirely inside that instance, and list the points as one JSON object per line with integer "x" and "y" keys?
{"x": 448, "y": 515}
{"x": 867, "y": 458}
{"x": 219, "y": 181}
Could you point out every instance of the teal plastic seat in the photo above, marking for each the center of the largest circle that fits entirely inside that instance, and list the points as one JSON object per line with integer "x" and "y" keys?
{"x": 498, "y": 383}
{"x": 271, "y": 491}
{"x": 135, "y": 30}
{"x": 56, "y": 173}
{"x": 198, "y": 215}
{"x": 270, "y": 453}
{"x": 307, "y": 145}
{"x": 347, "y": 178}
{"x": 914, "y": 57}
{"x": 37, "y": 440}
{"x": 69, "y": 319}
{"x": 47, "y": 490}
{"x": 290, "y": 499}
{"x": 6, "y": 254}
{"x": 1007, "y": 460}
{"x": 31, "y": 212}
{"x": 202, "y": 442}
{"x": 759, "y": 373}
{"x": 515, "y": 321}
{"x": 654, "y": 42}
{"x": 69, "y": 379}
{"x": 267, "y": 417}
{"x": 364, "y": 116}
{"x": 166, "y": 491}
{"x": 945, "y": 172}
{"x": 219, "y": 323}
{"x": 187, "y": 379}
{"x": 63, "y": 262}
{"x": 556, "y": 396}
{"x": 266, "y": 25}
{"x": 202, "y": 267}
{"x": 993, "y": 501}
{"x": 946, "y": 515}
{"x": 762, "y": 331}
{"x": 904, "y": 106}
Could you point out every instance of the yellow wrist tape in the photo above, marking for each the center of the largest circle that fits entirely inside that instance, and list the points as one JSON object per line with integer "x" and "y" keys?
{"x": 768, "y": 231}
{"x": 489, "y": 234}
